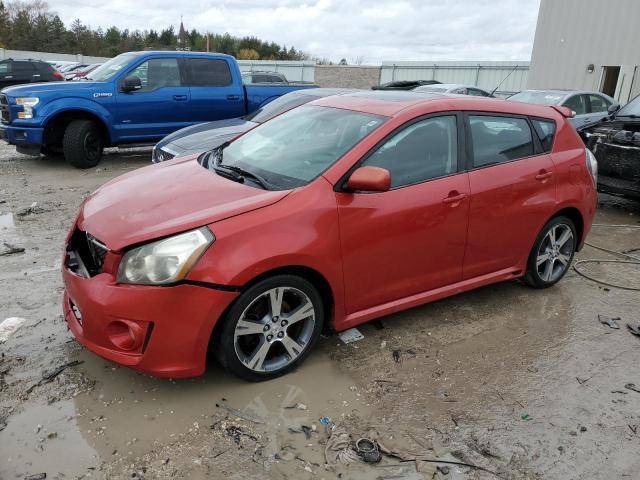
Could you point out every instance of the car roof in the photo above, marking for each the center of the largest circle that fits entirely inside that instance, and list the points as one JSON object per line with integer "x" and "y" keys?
{"x": 393, "y": 103}
{"x": 323, "y": 92}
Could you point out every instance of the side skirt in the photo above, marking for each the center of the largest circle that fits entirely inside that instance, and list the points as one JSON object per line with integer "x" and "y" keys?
{"x": 394, "y": 306}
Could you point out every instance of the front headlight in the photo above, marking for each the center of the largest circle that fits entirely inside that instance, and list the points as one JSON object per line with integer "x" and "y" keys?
{"x": 165, "y": 261}
{"x": 27, "y": 106}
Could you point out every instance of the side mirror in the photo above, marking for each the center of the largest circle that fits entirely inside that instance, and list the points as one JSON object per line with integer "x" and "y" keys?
{"x": 131, "y": 83}
{"x": 370, "y": 179}
{"x": 613, "y": 108}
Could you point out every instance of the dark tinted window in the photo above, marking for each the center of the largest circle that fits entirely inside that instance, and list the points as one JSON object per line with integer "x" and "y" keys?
{"x": 157, "y": 73}
{"x": 208, "y": 72}
{"x": 278, "y": 106}
{"x": 422, "y": 151}
{"x": 260, "y": 78}
{"x": 275, "y": 79}
{"x": 598, "y": 103}
{"x": 23, "y": 68}
{"x": 546, "y": 131}
{"x": 499, "y": 139}
{"x": 577, "y": 103}
{"x": 476, "y": 93}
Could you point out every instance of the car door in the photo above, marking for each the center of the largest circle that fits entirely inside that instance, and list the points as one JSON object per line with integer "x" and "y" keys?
{"x": 512, "y": 188}
{"x": 411, "y": 238}
{"x": 214, "y": 93}
{"x": 159, "y": 107}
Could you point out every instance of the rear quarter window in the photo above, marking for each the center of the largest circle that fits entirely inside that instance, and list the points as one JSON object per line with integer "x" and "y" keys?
{"x": 208, "y": 72}
{"x": 546, "y": 131}
{"x": 5, "y": 68}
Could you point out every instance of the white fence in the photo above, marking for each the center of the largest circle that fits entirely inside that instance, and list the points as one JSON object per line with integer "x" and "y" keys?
{"x": 294, "y": 71}
{"x": 485, "y": 75}
{"x": 50, "y": 57}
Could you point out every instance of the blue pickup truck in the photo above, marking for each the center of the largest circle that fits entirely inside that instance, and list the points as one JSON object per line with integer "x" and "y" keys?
{"x": 133, "y": 99}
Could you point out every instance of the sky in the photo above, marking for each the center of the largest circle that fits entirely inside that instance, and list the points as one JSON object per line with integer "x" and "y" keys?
{"x": 367, "y": 32}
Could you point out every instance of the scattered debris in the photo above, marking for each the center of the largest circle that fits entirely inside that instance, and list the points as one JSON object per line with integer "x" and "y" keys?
{"x": 338, "y": 448}
{"x": 368, "y": 450}
{"x": 299, "y": 406}
{"x": 32, "y": 209}
{"x": 9, "y": 326}
{"x": 239, "y": 414}
{"x": 350, "y": 336}
{"x": 611, "y": 322}
{"x": 526, "y": 417}
{"x": 236, "y": 432}
{"x": 632, "y": 387}
{"x": 37, "y": 476}
{"x": 10, "y": 249}
{"x": 49, "y": 377}
{"x": 582, "y": 381}
{"x": 396, "y": 355}
{"x": 633, "y": 428}
{"x": 635, "y": 329}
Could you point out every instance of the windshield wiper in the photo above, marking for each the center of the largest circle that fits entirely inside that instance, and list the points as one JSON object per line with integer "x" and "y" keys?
{"x": 246, "y": 173}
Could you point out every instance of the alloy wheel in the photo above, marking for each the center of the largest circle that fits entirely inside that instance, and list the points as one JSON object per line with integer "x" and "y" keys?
{"x": 555, "y": 252}
{"x": 274, "y": 329}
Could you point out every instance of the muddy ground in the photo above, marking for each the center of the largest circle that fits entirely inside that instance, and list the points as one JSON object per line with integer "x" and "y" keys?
{"x": 524, "y": 383}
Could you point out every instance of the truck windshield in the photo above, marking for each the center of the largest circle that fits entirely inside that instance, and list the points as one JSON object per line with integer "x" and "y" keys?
{"x": 294, "y": 148}
{"x": 630, "y": 109}
{"x": 110, "y": 68}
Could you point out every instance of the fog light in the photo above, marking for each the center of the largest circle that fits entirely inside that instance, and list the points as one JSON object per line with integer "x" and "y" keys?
{"x": 125, "y": 335}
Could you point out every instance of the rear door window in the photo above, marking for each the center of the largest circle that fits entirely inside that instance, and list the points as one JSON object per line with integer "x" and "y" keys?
{"x": 208, "y": 72}
{"x": 546, "y": 131}
{"x": 23, "y": 69}
{"x": 498, "y": 139}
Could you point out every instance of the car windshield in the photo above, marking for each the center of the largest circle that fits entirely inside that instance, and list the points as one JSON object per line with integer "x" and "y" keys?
{"x": 539, "y": 97}
{"x": 110, "y": 68}
{"x": 278, "y": 106}
{"x": 294, "y": 148}
{"x": 430, "y": 88}
{"x": 631, "y": 108}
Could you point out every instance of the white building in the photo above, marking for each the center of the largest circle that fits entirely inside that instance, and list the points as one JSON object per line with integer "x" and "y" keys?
{"x": 588, "y": 45}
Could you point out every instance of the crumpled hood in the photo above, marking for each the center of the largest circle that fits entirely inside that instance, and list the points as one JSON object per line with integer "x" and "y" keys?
{"x": 165, "y": 199}
{"x": 206, "y": 136}
{"x": 35, "y": 89}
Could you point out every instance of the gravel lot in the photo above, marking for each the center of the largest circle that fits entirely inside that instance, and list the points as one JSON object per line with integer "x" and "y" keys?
{"x": 527, "y": 384}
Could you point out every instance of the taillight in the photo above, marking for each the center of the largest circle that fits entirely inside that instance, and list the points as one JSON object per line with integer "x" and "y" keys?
{"x": 58, "y": 75}
{"x": 592, "y": 165}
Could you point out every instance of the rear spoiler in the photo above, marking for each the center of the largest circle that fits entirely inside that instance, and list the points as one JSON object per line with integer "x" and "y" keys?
{"x": 564, "y": 111}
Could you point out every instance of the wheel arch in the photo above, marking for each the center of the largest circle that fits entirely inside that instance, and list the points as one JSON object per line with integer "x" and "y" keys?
{"x": 55, "y": 127}
{"x": 573, "y": 214}
{"x": 311, "y": 275}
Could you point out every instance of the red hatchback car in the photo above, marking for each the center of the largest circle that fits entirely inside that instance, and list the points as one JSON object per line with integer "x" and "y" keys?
{"x": 332, "y": 214}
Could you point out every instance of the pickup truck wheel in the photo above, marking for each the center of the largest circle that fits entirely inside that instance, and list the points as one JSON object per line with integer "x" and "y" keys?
{"x": 82, "y": 144}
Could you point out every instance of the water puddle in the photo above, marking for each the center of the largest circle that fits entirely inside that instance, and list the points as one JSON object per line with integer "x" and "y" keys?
{"x": 126, "y": 412}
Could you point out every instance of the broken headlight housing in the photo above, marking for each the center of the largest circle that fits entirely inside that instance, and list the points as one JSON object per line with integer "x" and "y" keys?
{"x": 164, "y": 261}
{"x": 27, "y": 104}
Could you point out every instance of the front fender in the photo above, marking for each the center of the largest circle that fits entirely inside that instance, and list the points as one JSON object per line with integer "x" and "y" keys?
{"x": 98, "y": 110}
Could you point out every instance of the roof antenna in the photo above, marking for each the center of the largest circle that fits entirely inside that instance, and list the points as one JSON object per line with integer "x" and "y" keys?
{"x": 503, "y": 80}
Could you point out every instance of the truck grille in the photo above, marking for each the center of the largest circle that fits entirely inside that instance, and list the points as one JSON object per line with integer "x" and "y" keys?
{"x": 5, "y": 115}
{"x": 85, "y": 254}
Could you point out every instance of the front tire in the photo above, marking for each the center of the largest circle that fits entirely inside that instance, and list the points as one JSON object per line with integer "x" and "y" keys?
{"x": 552, "y": 253}
{"x": 271, "y": 328}
{"x": 82, "y": 144}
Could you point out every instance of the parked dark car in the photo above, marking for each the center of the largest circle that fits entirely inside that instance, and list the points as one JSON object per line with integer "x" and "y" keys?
{"x": 210, "y": 135}
{"x": 615, "y": 142}
{"x": 455, "y": 89}
{"x": 404, "y": 84}
{"x": 16, "y": 72}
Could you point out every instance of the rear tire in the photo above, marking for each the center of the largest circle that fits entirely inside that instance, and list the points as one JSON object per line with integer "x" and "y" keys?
{"x": 552, "y": 253}
{"x": 271, "y": 328}
{"x": 82, "y": 144}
